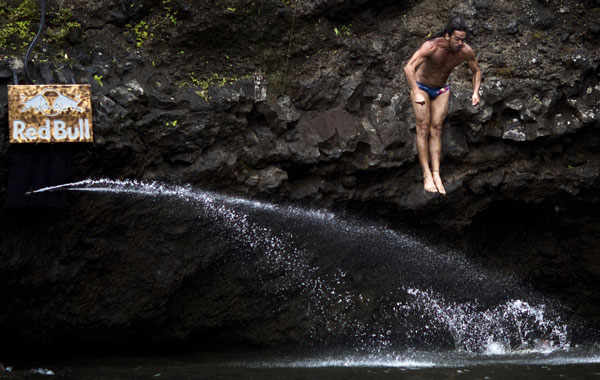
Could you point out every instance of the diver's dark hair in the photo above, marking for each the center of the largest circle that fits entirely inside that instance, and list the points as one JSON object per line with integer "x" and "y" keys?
{"x": 457, "y": 23}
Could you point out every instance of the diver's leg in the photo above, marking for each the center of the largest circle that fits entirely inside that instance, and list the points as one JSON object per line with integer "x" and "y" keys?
{"x": 439, "y": 110}
{"x": 423, "y": 119}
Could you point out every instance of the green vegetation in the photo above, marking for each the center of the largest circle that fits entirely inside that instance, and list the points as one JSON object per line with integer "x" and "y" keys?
{"x": 195, "y": 80}
{"x": 20, "y": 24}
{"x": 17, "y": 31}
{"x": 60, "y": 25}
{"x": 141, "y": 33}
{"x": 146, "y": 30}
{"x": 213, "y": 79}
{"x": 343, "y": 31}
{"x": 171, "y": 15}
{"x": 98, "y": 79}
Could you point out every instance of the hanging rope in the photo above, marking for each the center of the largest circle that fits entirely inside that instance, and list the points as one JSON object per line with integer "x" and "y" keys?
{"x": 287, "y": 59}
{"x": 37, "y": 36}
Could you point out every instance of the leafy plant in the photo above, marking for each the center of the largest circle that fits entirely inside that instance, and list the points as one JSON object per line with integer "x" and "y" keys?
{"x": 141, "y": 33}
{"x": 343, "y": 31}
{"x": 60, "y": 25}
{"x": 20, "y": 22}
{"x": 98, "y": 79}
{"x": 212, "y": 79}
{"x": 16, "y": 24}
{"x": 171, "y": 14}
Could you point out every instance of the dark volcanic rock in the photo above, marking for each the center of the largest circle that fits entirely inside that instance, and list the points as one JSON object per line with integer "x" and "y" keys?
{"x": 262, "y": 100}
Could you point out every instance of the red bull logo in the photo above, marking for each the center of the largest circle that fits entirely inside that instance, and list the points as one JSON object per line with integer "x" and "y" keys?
{"x": 50, "y": 113}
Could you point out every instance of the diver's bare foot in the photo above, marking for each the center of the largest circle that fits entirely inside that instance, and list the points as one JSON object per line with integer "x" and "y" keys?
{"x": 438, "y": 181}
{"x": 428, "y": 183}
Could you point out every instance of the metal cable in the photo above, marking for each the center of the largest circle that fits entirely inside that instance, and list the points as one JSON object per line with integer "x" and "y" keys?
{"x": 37, "y": 36}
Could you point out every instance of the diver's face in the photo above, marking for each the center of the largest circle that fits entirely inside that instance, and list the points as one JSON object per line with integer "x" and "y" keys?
{"x": 457, "y": 40}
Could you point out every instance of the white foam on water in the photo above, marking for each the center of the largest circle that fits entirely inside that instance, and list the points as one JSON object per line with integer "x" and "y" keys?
{"x": 42, "y": 371}
{"x": 512, "y": 327}
{"x": 534, "y": 359}
{"x": 424, "y": 360}
{"x": 320, "y": 363}
{"x": 493, "y": 347}
{"x": 339, "y": 362}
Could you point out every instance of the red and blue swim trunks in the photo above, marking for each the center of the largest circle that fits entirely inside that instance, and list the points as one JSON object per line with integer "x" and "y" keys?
{"x": 433, "y": 92}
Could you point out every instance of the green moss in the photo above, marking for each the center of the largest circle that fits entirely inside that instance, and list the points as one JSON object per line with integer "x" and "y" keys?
{"x": 61, "y": 23}
{"x": 17, "y": 30}
{"x": 213, "y": 79}
{"x": 195, "y": 80}
{"x": 20, "y": 24}
{"x": 146, "y": 30}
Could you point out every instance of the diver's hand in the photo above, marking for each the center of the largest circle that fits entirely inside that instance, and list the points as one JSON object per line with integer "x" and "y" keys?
{"x": 419, "y": 99}
{"x": 475, "y": 99}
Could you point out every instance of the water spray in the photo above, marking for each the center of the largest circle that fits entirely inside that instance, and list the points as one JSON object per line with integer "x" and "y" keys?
{"x": 416, "y": 312}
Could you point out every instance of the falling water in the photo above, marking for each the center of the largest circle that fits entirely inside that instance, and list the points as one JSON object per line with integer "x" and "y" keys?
{"x": 440, "y": 297}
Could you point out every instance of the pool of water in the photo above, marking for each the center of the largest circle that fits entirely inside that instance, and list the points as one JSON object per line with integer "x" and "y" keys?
{"x": 576, "y": 363}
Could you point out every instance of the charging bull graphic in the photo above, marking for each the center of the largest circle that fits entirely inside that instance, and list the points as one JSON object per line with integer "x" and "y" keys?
{"x": 50, "y": 113}
{"x": 38, "y": 103}
{"x": 61, "y": 104}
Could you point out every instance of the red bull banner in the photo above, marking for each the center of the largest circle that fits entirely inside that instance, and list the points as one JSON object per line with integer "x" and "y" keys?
{"x": 50, "y": 113}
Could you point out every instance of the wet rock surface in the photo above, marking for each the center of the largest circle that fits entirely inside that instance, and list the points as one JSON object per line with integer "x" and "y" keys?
{"x": 301, "y": 102}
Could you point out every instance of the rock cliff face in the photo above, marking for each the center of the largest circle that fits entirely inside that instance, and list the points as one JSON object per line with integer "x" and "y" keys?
{"x": 303, "y": 102}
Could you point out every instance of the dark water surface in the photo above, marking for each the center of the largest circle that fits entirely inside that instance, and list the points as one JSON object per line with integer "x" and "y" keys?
{"x": 576, "y": 363}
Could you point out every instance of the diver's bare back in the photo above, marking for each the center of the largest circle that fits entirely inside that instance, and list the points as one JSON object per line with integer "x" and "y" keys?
{"x": 436, "y": 68}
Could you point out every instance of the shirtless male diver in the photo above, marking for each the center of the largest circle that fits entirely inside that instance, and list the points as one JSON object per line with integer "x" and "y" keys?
{"x": 427, "y": 73}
